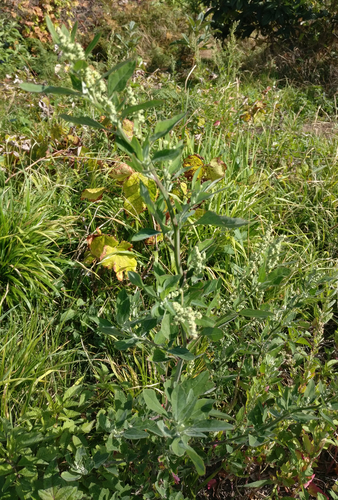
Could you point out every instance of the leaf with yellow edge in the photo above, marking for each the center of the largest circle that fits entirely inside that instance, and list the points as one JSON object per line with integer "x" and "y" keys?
{"x": 215, "y": 169}
{"x": 92, "y": 194}
{"x": 110, "y": 253}
{"x": 131, "y": 188}
{"x": 119, "y": 258}
{"x": 194, "y": 161}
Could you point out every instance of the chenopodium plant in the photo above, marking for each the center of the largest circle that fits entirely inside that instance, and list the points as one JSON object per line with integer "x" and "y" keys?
{"x": 181, "y": 316}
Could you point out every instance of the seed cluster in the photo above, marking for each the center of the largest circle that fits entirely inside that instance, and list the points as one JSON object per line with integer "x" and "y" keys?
{"x": 187, "y": 315}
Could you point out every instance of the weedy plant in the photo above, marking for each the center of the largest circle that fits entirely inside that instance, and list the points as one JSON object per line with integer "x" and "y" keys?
{"x": 142, "y": 446}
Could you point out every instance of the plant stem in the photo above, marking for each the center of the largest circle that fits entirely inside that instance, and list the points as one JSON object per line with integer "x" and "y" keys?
{"x": 177, "y": 236}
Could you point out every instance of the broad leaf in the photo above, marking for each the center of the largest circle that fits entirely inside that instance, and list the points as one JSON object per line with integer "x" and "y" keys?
{"x": 212, "y": 219}
{"x": 135, "y": 279}
{"x": 112, "y": 254}
{"x": 131, "y": 188}
{"x": 215, "y": 169}
{"x": 70, "y": 476}
{"x": 135, "y": 434}
{"x": 94, "y": 194}
{"x": 57, "y": 493}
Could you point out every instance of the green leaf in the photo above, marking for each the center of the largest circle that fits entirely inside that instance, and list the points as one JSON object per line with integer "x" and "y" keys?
{"x": 178, "y": 447}
{"x": 135, "y": 433}
{"x": 70, "y": 476}
{"x": 258, "y": 484}
{"x": 167, "y": 154}
{"x": 182, "y": 352}
{"x": 212, "y": 219}
{"x": 197, "y": 460}
{"x": 72, "y": 391}
{"x": 82, "y": 120}
{"x": 210, "y": 426}
{"x": 164, "y": 127}
{"x": 213, "y": 334}
{"x": 57, "y": 493}
{"x": 92, "y": 44}
{"x": 117, "y": 80}
{"x": 122, "y": 307}
{"x": 152, "y": 402}
{"x": 73, "y": 32}
{"x": 51, "y": 30}
{"x": 138, "y": 107}
{"x": 68, "y": 315}
{"x": 123, "y": 345}
{"x": 5, "y": 469}
{"x": 135, "y": 279}
{"x": 178, "y": 402}
{"x": 255, "y": 313}
{"x": 310, "y": 391}
{"x": 32, "y": 87}
{"x": 145, "y": 234}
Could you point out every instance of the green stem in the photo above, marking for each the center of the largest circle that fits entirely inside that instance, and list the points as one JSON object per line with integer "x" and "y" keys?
{"x": 172, "y": 215}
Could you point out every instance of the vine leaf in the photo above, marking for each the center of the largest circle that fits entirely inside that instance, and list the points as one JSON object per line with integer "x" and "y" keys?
{"x": 131, "y": 188}
{"x": 215, "y": 169}
{"x": 112, "y": 254}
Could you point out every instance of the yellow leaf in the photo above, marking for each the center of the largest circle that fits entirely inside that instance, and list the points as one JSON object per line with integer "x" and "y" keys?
{"x": 112, "y": 254}
{"x": 92, "y": 194}
{"x": 216, "y": 169}
{"x": 128, "y": 128}
{"x": 246, "y": 117}
{"x": 131, "y": 188}
{"x": 119, "y": 258}
{"x": 194, "y": 161}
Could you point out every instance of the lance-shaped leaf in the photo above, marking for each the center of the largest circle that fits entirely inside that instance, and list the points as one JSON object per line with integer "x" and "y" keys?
{"x": 94, "y": 194}
{"x": 164, "y": 127}
{"x": 117, "y": 80}
{"x": 82, "y": 120}
{"x": 138, "y": 107}
{"x": 149, "y": 396}
{"x": 51, "y": 30}
{"x": 93, "y": 44}
{"x": 212, "y": 219}
{"x": 144, "y": 234}
{"x": 73, "y": 32}
{"x": 47, "y": 89}
{"x": 167, "y": 154}
{"x": 131, "y": 188}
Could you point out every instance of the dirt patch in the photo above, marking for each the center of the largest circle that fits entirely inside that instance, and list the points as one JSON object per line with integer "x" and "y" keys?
{"x": 327, "y": 129}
